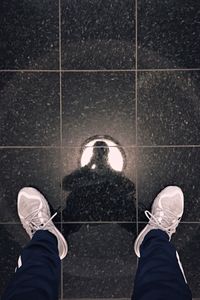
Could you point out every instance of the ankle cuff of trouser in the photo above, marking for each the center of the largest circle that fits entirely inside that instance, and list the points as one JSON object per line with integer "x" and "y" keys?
{"x": 44, "y": 233}
{"x": 155, "y": 233}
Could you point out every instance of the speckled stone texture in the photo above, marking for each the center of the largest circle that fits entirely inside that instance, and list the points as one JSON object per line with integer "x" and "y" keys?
{"x": 98, "y": 34}
{"x": 70, "y": 70}
{"x": 29, "y": 109}
{"x": 168, "y": 34}
{"x": 188, "y": 246}
{"x": 100, "y": 262}
{"x": 98, "y": 103}
{"x": 168, "y": 108}
{"x": 28, "y": 167}
{"x": 13, "y": 238}
{"x": 29, "y": 34}
{"x": 159, "y": 167}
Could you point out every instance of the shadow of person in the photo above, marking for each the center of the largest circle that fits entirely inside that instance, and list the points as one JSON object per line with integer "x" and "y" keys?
{"x": 99, "y": 193}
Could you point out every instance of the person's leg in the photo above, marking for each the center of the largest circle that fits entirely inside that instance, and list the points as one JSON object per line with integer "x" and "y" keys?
{"x": 38, "y": 272}
{"x": 159, "y": 275}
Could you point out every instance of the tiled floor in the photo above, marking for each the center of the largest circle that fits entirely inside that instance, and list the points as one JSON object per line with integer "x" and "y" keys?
{"x": 70, "y": 70}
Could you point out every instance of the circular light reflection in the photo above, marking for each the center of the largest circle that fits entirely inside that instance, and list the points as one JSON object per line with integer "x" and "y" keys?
{"x": 115, "y": 157}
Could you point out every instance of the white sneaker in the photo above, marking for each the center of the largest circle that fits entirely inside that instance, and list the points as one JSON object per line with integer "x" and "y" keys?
{"x": 34, "y": 213}
{"x": 166, "y": 213}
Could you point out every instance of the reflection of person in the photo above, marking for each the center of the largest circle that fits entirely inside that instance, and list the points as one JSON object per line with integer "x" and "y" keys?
{"x": 100, "y": 156}
{"x": 159, "y": 275}
{"x": 97, "y": 192}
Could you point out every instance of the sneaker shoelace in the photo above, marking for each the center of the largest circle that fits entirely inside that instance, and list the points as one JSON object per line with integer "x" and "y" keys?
{"x": 32, "y": 220}
{"x": 167, "y": 222}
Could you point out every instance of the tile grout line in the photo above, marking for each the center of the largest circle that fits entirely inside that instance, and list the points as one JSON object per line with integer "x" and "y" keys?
{"x": 166, "y": 146}
{"x": 136, "y": 62}
{"x": 136, "y": 36}
{"x": 65, "y": 71}
{"x": 96, "y": 71}
{"x": 61, "y": 124}
{"x": 108, "y": 298}
{"x": 83, "y": 222}
{"x": 101, "y": 222}
{"x": 169, "y": 70}
{"x": 136, "y": 108}
{"x": 61, "y": 121}
{"x": 136, "y": 98}
{"x": 60, "y": 72}
{"x": 124, "y": 146}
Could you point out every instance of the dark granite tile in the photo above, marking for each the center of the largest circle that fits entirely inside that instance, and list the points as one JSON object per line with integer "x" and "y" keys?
{"x": 29, "y": 34}
{"x": 12, "y": 239}
{"x": 168, "y": 34}
{"x": 29, "y": 109}
{"x": 28, "y": 167}
{"x": 160, "y": 167}
{"x": 168, "y": 108}
{"x": 101, "y": 262}
{"x": 99, "y": 194}
{"x": 98, "y": 103}
{"x": 98, "y": 34}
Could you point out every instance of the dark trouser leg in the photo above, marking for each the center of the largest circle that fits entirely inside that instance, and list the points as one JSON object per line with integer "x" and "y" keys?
{"x": 39, "y": 275}
{"x": 159, "y": 276}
